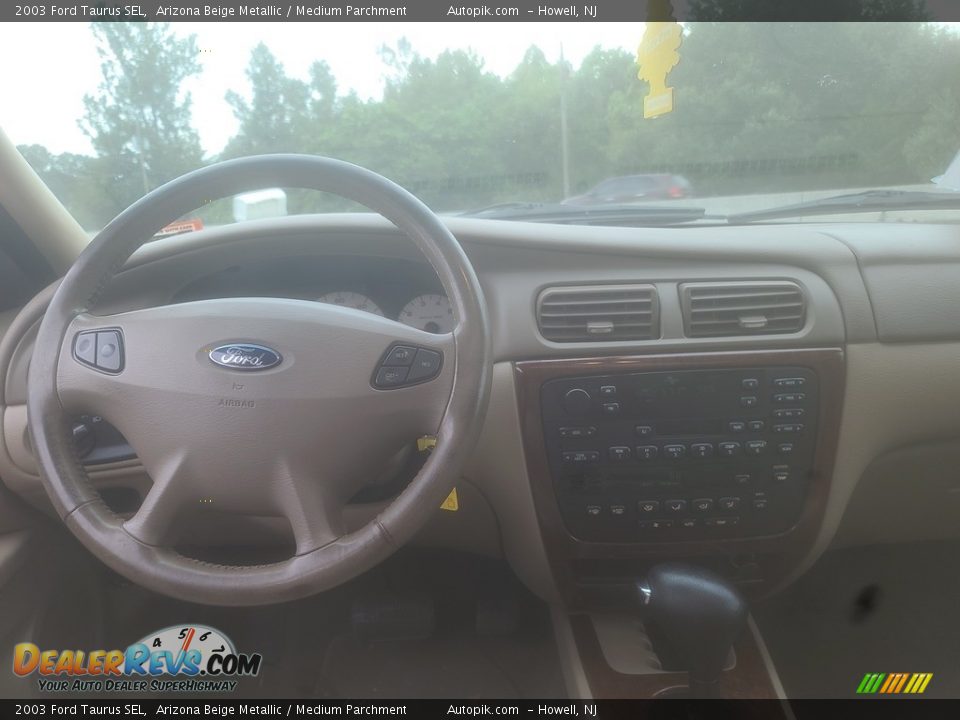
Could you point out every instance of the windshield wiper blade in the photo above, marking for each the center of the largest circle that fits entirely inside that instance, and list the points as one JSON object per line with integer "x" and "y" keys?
{"x": 869, "y": 201}
{"x": 606, "y": 215}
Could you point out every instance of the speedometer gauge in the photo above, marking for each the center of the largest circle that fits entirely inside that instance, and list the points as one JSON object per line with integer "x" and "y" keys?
{"x": 428, "y": 312}
{"x": 355, "y": 300}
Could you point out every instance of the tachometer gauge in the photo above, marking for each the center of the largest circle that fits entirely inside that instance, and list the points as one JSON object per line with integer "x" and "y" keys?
{"x": 430, "y": 312}
{"x": 355, "y": 300}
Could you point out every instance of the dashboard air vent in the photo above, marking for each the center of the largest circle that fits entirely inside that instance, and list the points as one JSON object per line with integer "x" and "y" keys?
{"x": 599, "y": 313}
{"x": 726, "y": 309}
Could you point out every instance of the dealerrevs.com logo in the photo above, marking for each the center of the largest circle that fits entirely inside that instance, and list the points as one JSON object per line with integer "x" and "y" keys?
{"x": 180, "y": 658}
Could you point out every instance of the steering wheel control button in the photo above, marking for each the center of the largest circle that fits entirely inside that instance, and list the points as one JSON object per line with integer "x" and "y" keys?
{"x": 85, "y": 348}
{"x": 392, "y": 376}
{"x": 400, "y": 355}
{"x": 100, "y": 349}
{"x": 426, "y": 365}
{"x": 404, "y": 365}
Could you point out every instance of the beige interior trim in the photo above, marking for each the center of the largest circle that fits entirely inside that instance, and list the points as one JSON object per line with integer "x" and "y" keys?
{"x": 36, "y": 209}
{"x": 768, "y": 664}
{"x": 574, "y": 676}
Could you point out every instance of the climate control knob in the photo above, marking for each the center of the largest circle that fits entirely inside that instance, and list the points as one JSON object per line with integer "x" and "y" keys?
{"x": 577, "y": 401}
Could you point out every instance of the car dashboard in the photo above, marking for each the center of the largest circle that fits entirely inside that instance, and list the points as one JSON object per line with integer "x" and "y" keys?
{"x": 629, "y": 420}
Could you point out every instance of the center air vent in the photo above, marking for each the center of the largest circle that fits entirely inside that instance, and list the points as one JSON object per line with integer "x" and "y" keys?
{"x": 599, "y": 313}
{"x": 726, "y": 309}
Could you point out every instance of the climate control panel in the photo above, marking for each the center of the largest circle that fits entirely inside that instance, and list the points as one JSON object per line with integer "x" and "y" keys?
{"x": 681, "y": 455}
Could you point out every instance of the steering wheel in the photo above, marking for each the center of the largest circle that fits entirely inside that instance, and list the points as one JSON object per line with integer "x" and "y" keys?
{"x": 256, "y": 406}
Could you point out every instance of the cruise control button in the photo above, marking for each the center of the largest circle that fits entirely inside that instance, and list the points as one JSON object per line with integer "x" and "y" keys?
{"x": 426, "y": 365}
{"x": 392, "y": 376}
{"x": 109, "y": 351}
{"x": 400, "y": 355}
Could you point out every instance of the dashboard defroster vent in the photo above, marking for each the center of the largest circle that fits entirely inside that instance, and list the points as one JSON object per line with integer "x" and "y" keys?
{"x": 728, "y": 309}
{"x": 599, "y": 313}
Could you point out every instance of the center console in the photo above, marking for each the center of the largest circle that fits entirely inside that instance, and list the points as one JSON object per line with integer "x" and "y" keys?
{"x": 723, "y": 458}
{"x": 683, "y": 455}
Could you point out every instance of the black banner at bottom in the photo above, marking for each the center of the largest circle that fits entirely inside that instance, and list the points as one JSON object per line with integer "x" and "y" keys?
{"x": 873, "y": 708}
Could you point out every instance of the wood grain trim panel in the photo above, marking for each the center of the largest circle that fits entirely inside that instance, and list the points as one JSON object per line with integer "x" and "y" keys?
{"x": 749, "y": 679}
{"x": 777, "y": 555}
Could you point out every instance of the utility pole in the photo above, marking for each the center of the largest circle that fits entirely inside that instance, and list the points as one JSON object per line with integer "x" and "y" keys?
{"x": 564, "y": 140}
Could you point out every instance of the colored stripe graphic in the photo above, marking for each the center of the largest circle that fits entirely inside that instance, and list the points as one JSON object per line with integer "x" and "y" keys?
{"x": 894, "y": 683}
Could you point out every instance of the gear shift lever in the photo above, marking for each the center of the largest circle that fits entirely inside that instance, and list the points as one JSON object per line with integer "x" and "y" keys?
{"x": 693, "y": 617}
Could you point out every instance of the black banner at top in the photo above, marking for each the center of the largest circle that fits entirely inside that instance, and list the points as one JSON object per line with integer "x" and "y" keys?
{"x": 479, "y": 11}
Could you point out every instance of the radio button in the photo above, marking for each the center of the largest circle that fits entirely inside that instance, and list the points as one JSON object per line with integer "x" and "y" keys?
{"x": 608, "y": 391}
{"x": 748, "y": 401}
{"x": 750, "y": 383}
{"x": 675, "y": 506}
{"x": 610, "y": 408}
{"x": 788, "y": 428}
{"x": 656, "y": 524}
{"x": 756, "y": 425}
{"x": 789, "y": 397}
{"x": 722, "y": 522}
{"x": 674, "y": 452}
{"x": 785, "y": 448}
{"x": 729, "y": 449}
{"x": 728, "y": 503}
{"x": 577, "y": 401}
{"x": 702, "y": 505}
{"x": 648, "y": 507}
{"x": 576, "y": 432}
{"x": 781, "y": 473}
{"x": 647, "y": 452}
{"x": 736, "y": 426}
{"x": 619, "y": 453}
{"x": 701, "y": 450}
{"x": 788, "y": 413}
{"x": 643, "y": 430}
{"x": 755, "y": 447}
{"x": 790, "y": 382}
{"x": 581, "y": 457}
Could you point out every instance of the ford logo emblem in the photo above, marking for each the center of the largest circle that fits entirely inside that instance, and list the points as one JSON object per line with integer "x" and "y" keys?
{"x": 243, "y": 356}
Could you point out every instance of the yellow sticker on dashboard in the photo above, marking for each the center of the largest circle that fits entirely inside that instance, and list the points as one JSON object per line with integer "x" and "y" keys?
{"x": 452, "y": 503}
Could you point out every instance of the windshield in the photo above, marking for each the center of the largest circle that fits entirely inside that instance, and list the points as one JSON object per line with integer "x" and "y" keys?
{"x": 730, "y": 117}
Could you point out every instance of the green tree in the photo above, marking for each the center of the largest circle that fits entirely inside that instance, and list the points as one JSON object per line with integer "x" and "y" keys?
{"x": 139, "y": 122}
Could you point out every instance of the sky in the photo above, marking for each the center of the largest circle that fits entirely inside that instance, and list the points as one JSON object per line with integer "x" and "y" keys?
{"x": 57, "y": 64}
